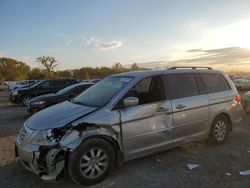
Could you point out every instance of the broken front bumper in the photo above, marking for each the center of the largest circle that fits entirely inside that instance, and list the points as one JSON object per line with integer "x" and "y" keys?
{"x": 45, "y": 161}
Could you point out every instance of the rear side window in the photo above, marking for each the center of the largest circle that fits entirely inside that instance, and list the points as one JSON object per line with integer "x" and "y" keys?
{"x": 214, "y": 82}
{"x": 180, "y": 85}
{"x": 60, "y": 83}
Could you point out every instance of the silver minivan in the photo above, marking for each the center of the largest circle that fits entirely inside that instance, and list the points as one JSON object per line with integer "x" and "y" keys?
{"x": 126, "y": 116}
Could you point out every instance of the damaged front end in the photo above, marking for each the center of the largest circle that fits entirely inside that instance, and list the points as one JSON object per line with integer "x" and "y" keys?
{"x": 41, "y": 152}
{"x": 45, "y": 152}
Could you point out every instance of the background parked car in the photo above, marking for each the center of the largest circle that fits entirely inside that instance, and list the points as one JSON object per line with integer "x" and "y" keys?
{"x": 3, "y": 83}
{"x": 23, "y": 95}
{"x": 44, "y": 101}
{"x": 242, "y": 83}
{"x": 93, "y": 81}
{"x": 18, "y": 84}
{"x": 246, "y": 102}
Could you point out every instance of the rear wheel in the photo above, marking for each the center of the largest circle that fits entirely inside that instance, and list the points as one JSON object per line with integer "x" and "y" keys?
{"x": 25, "y": 100}
{"x": 219, "y": 129}
{"x": 91, "y": 162}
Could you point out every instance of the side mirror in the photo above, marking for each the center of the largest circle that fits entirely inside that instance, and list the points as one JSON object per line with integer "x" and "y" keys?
{"x": 130, "y": 101}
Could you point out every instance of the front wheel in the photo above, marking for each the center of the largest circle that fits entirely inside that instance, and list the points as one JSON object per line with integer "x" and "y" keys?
{"x": 91, "y": 162}
{"x": 25, "y": 100}
{"x": 219, "y": 129}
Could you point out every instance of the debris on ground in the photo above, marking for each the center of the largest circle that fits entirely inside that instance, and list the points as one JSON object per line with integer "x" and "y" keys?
{"x": 161, "y": 161}
{"x": 245, "y": 172}
{"x": 192, "y": 166}
{"x": 228, "y": 174}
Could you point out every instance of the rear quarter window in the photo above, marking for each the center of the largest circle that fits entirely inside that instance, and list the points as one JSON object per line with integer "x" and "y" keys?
{"x": 214, "y": 82}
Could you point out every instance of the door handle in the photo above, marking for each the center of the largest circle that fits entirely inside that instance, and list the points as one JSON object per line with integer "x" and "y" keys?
{"x": 180, "y": 106}
{"x": 162, "y": 109}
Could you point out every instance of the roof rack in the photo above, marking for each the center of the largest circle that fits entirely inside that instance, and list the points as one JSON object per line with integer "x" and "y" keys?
{"x": 190, "y": 67}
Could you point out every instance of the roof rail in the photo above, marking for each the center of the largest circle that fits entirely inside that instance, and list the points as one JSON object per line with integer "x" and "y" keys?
{"x": 189, "y": 67}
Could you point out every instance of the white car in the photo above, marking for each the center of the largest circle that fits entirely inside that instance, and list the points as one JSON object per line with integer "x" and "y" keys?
{"x": 18, "y": 84}
{"x": 242, "y": 83}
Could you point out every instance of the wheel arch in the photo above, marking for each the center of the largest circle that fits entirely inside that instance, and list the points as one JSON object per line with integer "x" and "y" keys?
{"x": 111, "y": 140}
{"x": 227, "y": 116}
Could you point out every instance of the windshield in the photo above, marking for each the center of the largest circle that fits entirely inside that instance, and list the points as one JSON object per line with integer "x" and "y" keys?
{"x": 100, "y": 94}
{"x": 34, "y": 85}
{"x": 66, "y": 89}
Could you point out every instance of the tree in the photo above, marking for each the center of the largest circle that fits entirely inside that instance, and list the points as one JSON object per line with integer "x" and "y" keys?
{"x": 105, "y": 71}
{"x": 11, "y": 69}
{"x": 77, "y": 74}
{"x": 49, "y": 63}
{"x": 36, "y": 74}
{"x": 1, "y": 78}
{"x": 134, "y": 67}
{"x": 118, "y": 67}
{"x": 65, "y": 74}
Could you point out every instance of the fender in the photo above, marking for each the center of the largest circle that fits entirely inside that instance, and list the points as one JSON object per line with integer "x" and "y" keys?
{"x": 75, "y": 136}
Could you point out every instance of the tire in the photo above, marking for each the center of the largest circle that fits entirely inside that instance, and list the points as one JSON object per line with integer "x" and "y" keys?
{"x": 90, "y": 154}
{"x": 219, "y": 129}
{"x": 25, "y": 100}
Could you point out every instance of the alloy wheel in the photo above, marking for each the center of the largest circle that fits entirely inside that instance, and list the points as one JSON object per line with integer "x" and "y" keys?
{"x": 93, "y": 163}
{"x": 220, "y": 130}
{"x": 26, "y": 100}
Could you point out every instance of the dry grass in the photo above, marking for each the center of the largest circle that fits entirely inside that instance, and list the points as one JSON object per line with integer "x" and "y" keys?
{"x": 7, "y": 150}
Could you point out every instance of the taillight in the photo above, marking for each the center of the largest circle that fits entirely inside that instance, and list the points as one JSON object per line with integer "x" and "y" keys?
{"x": 238, "y": 99}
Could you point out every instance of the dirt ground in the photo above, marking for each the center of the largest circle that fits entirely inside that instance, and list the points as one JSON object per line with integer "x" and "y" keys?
{"x": 168, "y": 169}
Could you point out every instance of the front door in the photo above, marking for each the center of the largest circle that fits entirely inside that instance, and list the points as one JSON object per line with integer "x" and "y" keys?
{"x": 44, "y": 88}
{"x": 147, "y": 127}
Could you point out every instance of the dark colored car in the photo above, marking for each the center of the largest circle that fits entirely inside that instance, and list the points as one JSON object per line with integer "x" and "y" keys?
{"x": 44, "y": 101}
{"x": 23, "y": 95}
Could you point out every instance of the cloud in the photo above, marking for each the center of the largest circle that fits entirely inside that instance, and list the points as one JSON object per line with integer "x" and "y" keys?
{"x": 66, "y": 38}
{"x": 225, "y": 56}
{"x": 93, "y": 42}
{"x": 194, "y": 50}
{"x": 102, "y": 45}
{"x": 222, "y": 58}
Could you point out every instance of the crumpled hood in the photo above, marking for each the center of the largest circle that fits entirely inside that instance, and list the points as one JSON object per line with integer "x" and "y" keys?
{"x": 43, "y": 97}
{"x": 58, "y": 115}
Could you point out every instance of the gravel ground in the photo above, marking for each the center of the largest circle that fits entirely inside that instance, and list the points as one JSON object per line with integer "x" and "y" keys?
{"x": 167, "y": 169}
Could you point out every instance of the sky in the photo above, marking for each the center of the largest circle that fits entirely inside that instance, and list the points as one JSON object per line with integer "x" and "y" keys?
{"x": 154, "y": 34}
